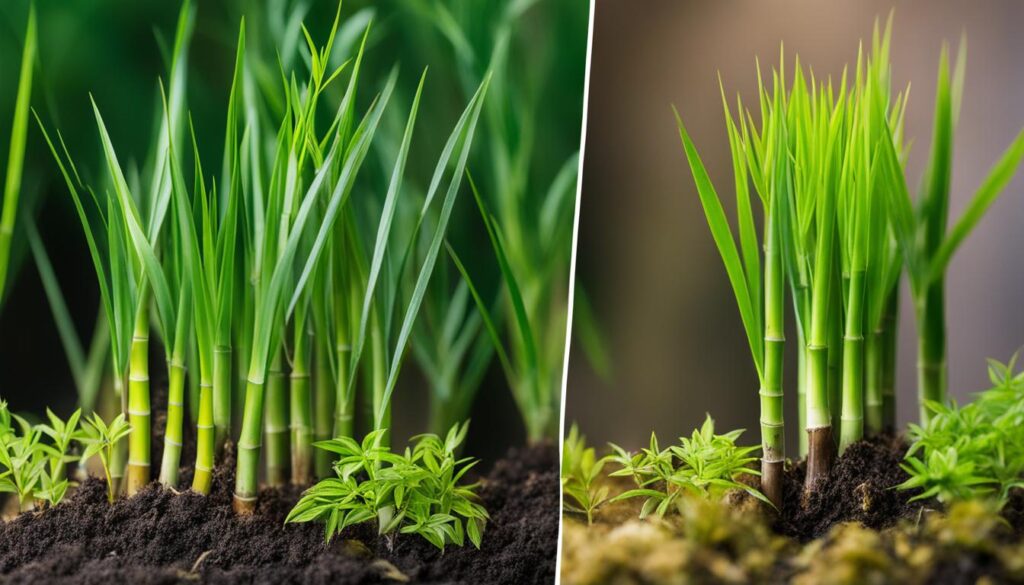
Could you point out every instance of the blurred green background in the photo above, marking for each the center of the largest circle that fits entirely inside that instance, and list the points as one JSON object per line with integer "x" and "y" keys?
{"x": 115, "y": 50}
{"x": 646, "y": 256}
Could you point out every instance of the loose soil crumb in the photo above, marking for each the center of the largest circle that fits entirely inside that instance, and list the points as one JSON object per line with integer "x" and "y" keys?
{"x": 163, "y": 537}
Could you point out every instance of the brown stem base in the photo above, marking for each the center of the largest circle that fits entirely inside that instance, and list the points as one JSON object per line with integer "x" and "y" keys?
{"x": 138, "y": 478}
{"x": 243, "y": 506}
{"x": 771, "y": 482}
{"x": 821, "y": 452}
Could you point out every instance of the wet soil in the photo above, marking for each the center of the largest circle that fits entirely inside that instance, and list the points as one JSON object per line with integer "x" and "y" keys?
{"x": 161, "y": 536}
{"x": 860, "y": 488}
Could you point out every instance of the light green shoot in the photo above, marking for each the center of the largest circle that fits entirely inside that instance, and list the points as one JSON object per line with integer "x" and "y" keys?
{"x": 99, "y": 438}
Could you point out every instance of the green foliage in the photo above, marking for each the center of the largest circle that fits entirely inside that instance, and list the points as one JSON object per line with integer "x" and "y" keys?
{"x": 580, "y": 472}
{"x": 705, "y": 465}
{"x": 29, "y": 466}
{"x": 16, "y": 154}
{"x": 99, "y": 438}
{"x": 416, "y": 492}
{"x": 971, "y": 451}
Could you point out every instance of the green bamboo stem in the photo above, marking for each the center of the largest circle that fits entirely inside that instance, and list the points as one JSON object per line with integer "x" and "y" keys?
{"x": 301, "y": 409}
{"x": 345, "y": 400}
{"x": 874, "y": 403}
{"x": 324, "y": 409}
{"x": 821, "y": 446}
{"x": 222, "y": 390}
{"x": 931, "y": 348}
{"x": 801, "y": 301}
{"x": 171, "y": 461}
{"x": 835, "y": 355}
{"x": 277, "y": 452}
{"x": 205, "y": 440}
{"x": 193, "y": 382}
{"x": 138, "y": 403}
{"x": 890, "y": 320}
{"x": 801, "y": 390}
{"x": 379, "y": 377}
{"x": 773, "y": 439}
{"x": 250, "y": 441}
{"x": 852, "y": 428}
{"x": 119, "y": 454}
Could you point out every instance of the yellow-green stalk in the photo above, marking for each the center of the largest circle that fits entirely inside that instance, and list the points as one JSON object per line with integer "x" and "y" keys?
{"x": 301, "y": 410}
{"x": 138, "y": 403}
{"x": 276, "y": 417}
{"x": 171, "y": 460}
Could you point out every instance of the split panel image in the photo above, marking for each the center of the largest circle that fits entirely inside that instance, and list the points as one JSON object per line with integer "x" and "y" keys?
{"x": 284, "y": 288}
{"x": 796, "y": 310}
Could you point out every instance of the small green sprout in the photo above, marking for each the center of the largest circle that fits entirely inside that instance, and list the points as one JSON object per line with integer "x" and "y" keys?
{"x": 705, "y": 465}
{"x": 99, "y": 438}
{"x": 417, "y": 492}
{"x": 580, "y": 470}
{"x": 62, "y": 434}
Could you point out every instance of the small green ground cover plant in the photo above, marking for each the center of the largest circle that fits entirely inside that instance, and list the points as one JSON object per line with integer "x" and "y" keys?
{"x": 704, "y": 465}
{"x": 34, "y": 457}
{"x": 582, "y": 475}
{"x": 974, "y": 451}
{"x": 415, "y": 492}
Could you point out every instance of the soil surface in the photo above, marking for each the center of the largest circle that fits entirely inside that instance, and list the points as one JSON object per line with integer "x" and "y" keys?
{"x": 855, "y": 529}
{"x": 162, "y": 537}
{"x": 860, "y": 488}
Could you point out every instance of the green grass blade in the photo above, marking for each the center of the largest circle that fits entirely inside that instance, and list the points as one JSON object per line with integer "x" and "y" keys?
{"x": 16, "y": 155}
{"x": 987, "y": 193}
{"x": 383, "y": 233}
{"x": 722, "y": 234}
{"x": 466, "y": 131}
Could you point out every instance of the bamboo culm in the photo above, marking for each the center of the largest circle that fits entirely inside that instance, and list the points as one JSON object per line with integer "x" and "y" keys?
{"x": 222, "y": 390}
{"x": 323, "y": 409}
{"x": 931, "y": 349}
{"x": 205, "y": 440}
{"x": 852, "y": 427}
{"x": 772, "y": 423}
{"x": 890, "y": 322}
{"x": 250, "y": 442}
{"x": 301, "y": 409}
{"x": 138, "y": 403}
{"x": 171, "y": 460}
{"x": 277, "y": 454}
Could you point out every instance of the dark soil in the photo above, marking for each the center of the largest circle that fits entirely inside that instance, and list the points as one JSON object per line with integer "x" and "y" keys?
{"x": 860, "y": 488}
{"x": 159, "y": 536}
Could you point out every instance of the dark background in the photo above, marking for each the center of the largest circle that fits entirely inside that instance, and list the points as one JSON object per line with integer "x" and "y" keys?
{"x": 646, "y": 256}
{"x": 110, "y": 48}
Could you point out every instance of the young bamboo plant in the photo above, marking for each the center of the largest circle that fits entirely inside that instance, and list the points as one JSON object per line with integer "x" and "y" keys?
{"x": 273, "y": 246}
{"x": 207, "y": 247}
{"x": 759, "y": 295}
{"x": 124, "y": 249}
{"x": 922, "y": 235}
